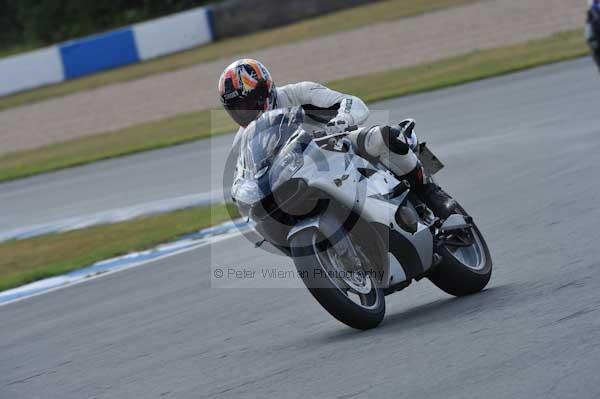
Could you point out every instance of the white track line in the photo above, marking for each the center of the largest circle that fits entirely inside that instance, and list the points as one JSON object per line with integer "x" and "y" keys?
{"x": 84, "y": 278}
{"x": 114, "y": 215}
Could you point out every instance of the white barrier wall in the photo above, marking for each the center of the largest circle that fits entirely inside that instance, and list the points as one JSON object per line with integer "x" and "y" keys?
{"x": 29, "y": 70}
{"x": 173, "y": 33}
{"x": 107, "y": 50}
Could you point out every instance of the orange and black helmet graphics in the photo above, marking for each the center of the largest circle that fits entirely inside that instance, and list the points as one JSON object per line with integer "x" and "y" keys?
{"x": 246, "y": 90}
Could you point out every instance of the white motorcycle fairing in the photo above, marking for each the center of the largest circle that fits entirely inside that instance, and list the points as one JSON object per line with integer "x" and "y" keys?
{"x": 343, "y": 177}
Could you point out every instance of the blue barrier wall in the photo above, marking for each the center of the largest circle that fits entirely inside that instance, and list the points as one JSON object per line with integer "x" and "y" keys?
{"x": 108, "y": 50}
{"x": 154, "y": 38}
{"x": 99, "y": 52}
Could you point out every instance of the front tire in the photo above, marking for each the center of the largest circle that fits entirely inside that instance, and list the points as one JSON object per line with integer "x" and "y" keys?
{"x": 310, "y": 252}
{"x": 466, "y": 274}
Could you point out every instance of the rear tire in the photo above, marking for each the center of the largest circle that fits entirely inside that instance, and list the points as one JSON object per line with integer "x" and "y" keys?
{"x": 326, "y": 292}
{"x": 454, "y": 277}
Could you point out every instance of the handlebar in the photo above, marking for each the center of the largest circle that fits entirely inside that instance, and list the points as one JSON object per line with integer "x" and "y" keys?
{"x": 322, "y": 134}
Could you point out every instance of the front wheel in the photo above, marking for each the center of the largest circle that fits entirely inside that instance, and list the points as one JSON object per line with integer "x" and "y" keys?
{"x": 342, "y": 286}
{"x": 466, "y": 266}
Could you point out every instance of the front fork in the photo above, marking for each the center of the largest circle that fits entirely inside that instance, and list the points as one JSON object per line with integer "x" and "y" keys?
{"x": 338, "y": 238}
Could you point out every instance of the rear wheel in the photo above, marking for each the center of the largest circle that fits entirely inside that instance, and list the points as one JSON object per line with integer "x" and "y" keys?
{"x": 466, "y": 266}
{"x": 342, "y": 284}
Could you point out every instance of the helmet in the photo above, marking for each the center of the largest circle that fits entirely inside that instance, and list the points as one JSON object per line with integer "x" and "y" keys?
{"x": 247, "y": 90}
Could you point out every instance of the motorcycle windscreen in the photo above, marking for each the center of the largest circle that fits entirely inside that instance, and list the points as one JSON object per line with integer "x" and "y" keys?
{"x": 250, "y": 190}
{"x": 261, "y": 142}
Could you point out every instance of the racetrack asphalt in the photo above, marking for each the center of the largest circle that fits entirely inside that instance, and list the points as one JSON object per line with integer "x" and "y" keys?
{"x": 522, "y": 154}
{"x": 114, "y": 184}
{"x": 197, "y": 167}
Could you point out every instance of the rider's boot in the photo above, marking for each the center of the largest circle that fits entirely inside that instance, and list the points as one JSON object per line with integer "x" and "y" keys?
{"x": 436, "y": 199}
{"x": 392, "y": 146}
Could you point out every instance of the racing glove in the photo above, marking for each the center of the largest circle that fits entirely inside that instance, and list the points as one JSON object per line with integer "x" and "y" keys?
{"x": 338, "y": 124}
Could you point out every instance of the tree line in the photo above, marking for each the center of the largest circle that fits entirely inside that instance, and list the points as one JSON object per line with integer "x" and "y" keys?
{"x": 45, "y": 22}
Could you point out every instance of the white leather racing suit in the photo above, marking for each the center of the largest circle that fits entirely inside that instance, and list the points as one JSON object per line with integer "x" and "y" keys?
{"x": 321, "y": 105}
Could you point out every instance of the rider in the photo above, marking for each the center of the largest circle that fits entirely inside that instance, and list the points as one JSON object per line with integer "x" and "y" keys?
{"x": 593, "y": 29}
{"x": 247, "y": 90}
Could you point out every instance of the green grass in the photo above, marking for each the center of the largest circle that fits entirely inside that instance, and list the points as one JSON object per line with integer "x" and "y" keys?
{"x": 346, "y": 19}
{"x": 465, "y": 68}
{"x": 373, "y": 87}
{"x": 25, "y": 261}
{"x": 143, "y": 137}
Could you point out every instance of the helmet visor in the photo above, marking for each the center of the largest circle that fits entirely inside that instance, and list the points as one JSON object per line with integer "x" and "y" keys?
{"x": 244, "y": 110}
{"x": 241, "y": 113}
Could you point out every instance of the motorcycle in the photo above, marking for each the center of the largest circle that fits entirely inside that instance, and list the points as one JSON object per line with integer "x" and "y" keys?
{"x": 355, "y": 232}
{"x": 592, "y": 33}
